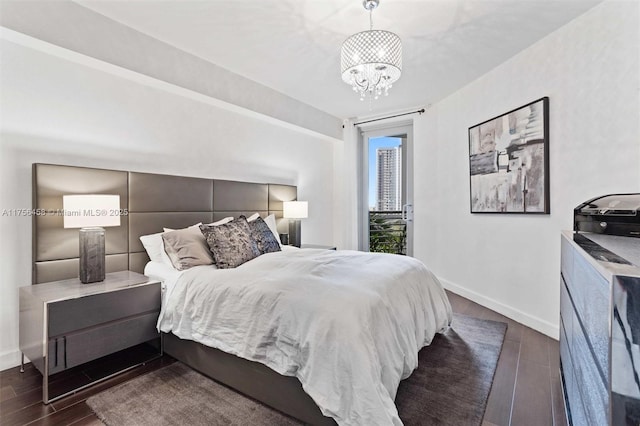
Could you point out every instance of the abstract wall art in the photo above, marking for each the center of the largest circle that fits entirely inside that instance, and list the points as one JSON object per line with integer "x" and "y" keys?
{"x": 509, "y": 161}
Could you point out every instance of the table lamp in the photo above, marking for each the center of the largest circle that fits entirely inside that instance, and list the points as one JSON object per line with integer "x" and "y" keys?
{"x": 90, "y": 212}
{"x": 295, "y": 210}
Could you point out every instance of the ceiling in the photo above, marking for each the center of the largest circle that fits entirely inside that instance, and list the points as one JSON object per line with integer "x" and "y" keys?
{"x": 293, "y": 46}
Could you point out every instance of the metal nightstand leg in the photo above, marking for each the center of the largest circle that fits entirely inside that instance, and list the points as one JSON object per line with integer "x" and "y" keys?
{"x": 45, "y": 381}
{"x": 22, "y": 362}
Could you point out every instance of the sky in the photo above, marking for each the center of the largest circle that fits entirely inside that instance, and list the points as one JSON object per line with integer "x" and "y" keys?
{"x": 375, "y": 143}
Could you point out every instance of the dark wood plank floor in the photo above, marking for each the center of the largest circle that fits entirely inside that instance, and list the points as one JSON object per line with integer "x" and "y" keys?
{"x": 526, "y": 389}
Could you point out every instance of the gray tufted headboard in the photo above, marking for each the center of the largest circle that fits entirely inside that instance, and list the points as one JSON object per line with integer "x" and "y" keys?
{"x": 153, "y": 201}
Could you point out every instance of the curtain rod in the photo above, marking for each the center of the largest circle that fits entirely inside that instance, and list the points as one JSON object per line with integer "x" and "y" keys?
{"x": 420, "y": 111}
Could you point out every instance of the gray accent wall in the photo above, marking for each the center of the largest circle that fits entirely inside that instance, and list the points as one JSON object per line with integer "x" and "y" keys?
{"x": 153, "y": 202}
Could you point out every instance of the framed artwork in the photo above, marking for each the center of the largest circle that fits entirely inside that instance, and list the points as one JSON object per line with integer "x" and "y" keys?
{"x": 509, "y": 161}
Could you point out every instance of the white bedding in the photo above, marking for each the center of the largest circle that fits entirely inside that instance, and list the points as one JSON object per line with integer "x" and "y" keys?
{"x": 347, "y": 324}
{"x": 164, "y": 273}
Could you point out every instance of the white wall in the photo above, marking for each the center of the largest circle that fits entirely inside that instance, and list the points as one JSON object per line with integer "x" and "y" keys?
{"x": 60, "y": 107}
{"x": 97, "y": 36}
{"x": 590, "y": 71}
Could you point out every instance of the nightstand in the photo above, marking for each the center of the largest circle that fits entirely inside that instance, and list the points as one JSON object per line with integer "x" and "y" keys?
{"x": 65, "y": 324}
{"x": 318, "y": 246}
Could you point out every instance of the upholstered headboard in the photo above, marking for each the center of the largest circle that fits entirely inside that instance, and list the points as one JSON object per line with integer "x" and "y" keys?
{"x": 153, "y": 201}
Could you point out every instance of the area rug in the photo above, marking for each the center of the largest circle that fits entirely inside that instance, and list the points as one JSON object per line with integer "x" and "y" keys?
{"x": 452, "y": 382}
{"x": 450, "y": 387}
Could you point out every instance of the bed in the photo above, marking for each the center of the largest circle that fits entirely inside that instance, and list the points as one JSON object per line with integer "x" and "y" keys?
{"x": 348, "y": 325}
{"x": 317, "y": 306}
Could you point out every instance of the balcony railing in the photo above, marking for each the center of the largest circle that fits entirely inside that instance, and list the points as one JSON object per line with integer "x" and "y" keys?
{"x": 387, "y": 232}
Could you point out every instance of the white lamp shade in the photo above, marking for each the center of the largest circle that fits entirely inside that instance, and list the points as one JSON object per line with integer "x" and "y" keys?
{"x": 295, "y": 209}
{"x": 87, "y": 210}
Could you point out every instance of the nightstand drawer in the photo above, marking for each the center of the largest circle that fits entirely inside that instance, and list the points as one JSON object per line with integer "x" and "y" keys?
{"x": 78, "y": 348}
{"x": 76, "y": 314}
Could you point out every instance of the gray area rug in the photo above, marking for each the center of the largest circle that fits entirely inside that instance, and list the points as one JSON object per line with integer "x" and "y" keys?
{"x": 452, "y": 382}
{"x": 450, "y": 387}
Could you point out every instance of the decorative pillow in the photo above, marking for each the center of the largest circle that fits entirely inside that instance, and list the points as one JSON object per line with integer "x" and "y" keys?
{"x": 204, "y": 247}
{"x": 185, "y": 248}
{"x": 231, "y": 244}
{"x": 271, "y": 223}
{"x": 154, "y": 246}
{"x": 265, "y": 239}
{"x": 253, "y": 217}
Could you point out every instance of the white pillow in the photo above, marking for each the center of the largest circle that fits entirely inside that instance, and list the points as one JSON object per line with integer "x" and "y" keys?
{"x": 253, "y": 217}
{"x": 220, "y": 222}
{"x": 154, "y": 246}
{"x": 271, "y": 223}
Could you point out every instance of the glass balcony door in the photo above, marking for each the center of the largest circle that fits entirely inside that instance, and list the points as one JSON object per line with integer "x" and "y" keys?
{"x": 387, "y": 211}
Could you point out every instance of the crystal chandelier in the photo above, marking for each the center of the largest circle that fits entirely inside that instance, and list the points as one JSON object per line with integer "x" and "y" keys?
{"x": 371, "y": 61}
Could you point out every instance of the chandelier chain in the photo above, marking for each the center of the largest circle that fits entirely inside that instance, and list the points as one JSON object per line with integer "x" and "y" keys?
{"x": 370, "y": 19}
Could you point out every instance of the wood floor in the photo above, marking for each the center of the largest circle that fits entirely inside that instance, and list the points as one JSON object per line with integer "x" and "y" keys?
{"x": 526, "y": 388}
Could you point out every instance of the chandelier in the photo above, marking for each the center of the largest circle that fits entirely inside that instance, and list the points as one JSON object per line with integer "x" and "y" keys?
{"x": 371, "y": 61}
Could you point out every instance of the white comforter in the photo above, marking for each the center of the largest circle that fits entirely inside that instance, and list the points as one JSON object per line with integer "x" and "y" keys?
{"x": 347, "y": 324}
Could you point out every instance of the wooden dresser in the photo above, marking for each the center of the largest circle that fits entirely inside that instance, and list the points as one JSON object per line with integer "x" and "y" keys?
{"x": 600, "y": 328}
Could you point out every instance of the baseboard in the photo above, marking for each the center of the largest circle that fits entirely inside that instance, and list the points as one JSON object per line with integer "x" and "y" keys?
{"x": 544, "y": 327}
{"x": 10, "y": 359}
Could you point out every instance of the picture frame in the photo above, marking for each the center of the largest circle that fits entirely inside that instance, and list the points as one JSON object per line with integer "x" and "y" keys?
{"x": 509, "y": 161}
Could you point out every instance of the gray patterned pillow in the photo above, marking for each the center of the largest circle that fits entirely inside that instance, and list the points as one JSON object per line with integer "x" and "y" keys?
{"x": 265, "y": 239}
{"x": 231, "y": 244}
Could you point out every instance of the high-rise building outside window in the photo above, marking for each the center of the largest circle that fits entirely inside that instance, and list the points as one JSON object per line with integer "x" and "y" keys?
{"x": 389, "y": 179}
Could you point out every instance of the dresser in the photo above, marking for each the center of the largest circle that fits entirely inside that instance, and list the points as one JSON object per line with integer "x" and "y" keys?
{"x": 65, "y": 324}
{"x": 600, "y": 328}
